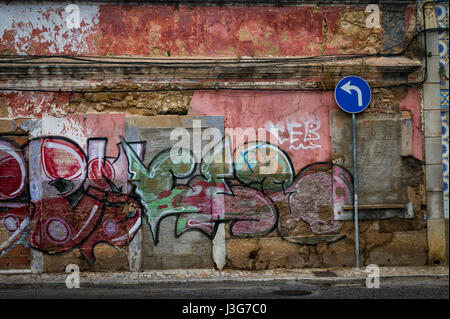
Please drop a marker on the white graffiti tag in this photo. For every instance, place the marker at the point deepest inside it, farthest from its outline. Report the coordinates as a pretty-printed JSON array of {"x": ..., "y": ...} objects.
[{"x": 302, "y": 135}]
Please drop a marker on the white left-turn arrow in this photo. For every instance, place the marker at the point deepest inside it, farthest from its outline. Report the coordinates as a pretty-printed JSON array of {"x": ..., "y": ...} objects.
[{"x": 347, "y": 87}]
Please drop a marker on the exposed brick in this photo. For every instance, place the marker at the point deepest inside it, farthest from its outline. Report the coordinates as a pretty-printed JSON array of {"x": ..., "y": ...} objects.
[
  {"x": 3, "y": 263},
  {"x": 14, "y": 252},
  {"x": 18, "y": 262},
  {"x": 24, "y": 251},
  {"x": 7, "y": 126},
  {"x": 3, "y": 107}
]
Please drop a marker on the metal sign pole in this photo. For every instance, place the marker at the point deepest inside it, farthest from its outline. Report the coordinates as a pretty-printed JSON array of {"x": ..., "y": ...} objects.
[
  {"x": 355, "y": 192},
  {"x": 353, "y": 95}
]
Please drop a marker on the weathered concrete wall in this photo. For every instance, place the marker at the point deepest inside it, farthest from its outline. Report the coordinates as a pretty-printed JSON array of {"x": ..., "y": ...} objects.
[
  {"x": 385, "y": 161},
  {"x": 300, "y": 202},
  {"x": 74, "y": 184},
  {"x": 90, "y": 173},
  {"x": 152, "y": 30},
  {"x": 30, "y": 105},
  {"x": 162, "y": 248},
  {"x": 298, "y": 122},
  {"x": 388, "y": 171}
]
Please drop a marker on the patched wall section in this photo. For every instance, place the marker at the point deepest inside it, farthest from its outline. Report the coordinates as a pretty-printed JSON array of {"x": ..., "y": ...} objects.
[
  {"x": 97, "y": 175},
  {"x": 384, "y": 148},
  {"x": 299, "y": 215},
  {"x": 162, "y": 246}
]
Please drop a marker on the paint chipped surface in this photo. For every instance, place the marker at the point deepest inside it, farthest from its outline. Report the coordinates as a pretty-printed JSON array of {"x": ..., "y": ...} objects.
[
  {"x": 42, "y": 29},
  {"x": 214, "y": 31},
  {"x": 152, "y": 30},
  {"x": 31, "y": 105},
  {"x": 297, "y": 121}
]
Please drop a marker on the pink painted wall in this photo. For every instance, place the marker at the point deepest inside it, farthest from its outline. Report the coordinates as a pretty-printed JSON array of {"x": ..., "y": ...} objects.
[
  {"x": 299, "y": 120},
  {"x": 411, "y": 103},
  {"x": 153, "y": 30}
]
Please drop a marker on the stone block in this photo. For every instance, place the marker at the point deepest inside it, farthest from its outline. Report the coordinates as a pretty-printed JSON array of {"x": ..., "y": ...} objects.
[
  {"x": 432, "y": 43},
  {"x": 433, "y": 175},
  {"x": 433, "y": 126},
  {"x": 433, "y": 150},
  {"x": 434, "y": 204},
  {"x": 405, "y": 249},
  {"x": 4, "y": 107},
  {"x": 220, "y": 247},
  {"x": 267, "y": 253},
  {"x": 98, "y": 97},
  {"x": 446, "y": 242},
  {"x": 433, "y": 71},
  {"x": 446, "y": 208},
  {"x": 431, "y": 96},
  {"x": 7, "y": 126},
  {"x": 110, "y": 258},
  {"x": 135, "y": 252},
  {"x": 58, "y": 263},
  {"x": 436, "y": 242},
  {"x": 340, "y": 254}
]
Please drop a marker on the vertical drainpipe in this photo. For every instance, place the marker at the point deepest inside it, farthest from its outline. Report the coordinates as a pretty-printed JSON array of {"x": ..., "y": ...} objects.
[{"x": 432, "y": 143}]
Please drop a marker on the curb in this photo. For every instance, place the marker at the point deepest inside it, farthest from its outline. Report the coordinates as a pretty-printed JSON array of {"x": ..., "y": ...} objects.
[
  {"x": 362, "y": 281},
  {"x": 149, "y": 281}
]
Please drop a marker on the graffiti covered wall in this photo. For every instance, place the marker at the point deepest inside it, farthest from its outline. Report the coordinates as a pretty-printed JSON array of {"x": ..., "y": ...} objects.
[
  {"x": 79, "y": 185},
  {"x": 71, "y": 189},
  {"x": 314, "y": 206},
  {"x": 83, "y": 186},
  {"x": 74, "y": 191},
  {"x": 89, "y": 177}
]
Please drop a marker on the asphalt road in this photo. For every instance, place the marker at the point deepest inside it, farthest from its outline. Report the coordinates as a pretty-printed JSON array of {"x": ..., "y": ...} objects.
[{"x": 398, "y": 289}]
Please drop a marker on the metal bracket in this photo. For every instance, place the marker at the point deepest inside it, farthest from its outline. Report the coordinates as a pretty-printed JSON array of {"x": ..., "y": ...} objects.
[{"x": 373, "y": 212}]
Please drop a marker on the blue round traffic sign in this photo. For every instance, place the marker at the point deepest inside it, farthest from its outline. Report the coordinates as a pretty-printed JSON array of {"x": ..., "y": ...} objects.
[{"x": 352, "y": 94}]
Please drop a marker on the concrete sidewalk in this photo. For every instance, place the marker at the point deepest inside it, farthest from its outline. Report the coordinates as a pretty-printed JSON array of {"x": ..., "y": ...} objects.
[{"x": 332, "y": 276}]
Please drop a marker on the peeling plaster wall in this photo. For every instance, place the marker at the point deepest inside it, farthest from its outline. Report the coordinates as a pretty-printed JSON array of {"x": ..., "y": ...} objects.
[
  {"x": 156, "y": 30},
  {"x": 300, "y": 127},
  {"x": 305, "y": 232},
  {"x": 399, "y": 180},
  {"x": 41, "y": 29},
  {"x": 296, "y": 208}
]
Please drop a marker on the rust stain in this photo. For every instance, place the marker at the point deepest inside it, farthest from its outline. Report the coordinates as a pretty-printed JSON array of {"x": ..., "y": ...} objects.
[
  {"x": 214, "y": 31},
  {"x": 159, "y": 30}
]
